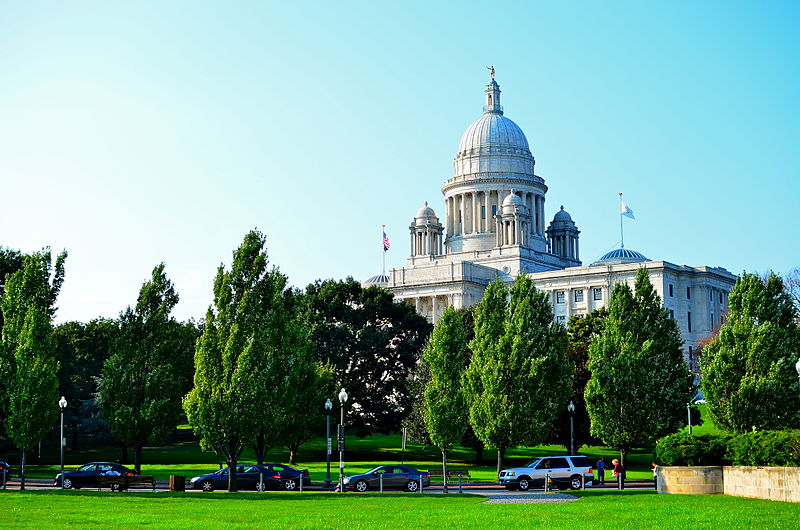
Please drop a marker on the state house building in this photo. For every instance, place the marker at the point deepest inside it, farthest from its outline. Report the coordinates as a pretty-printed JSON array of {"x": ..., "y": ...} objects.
[{"x": 494, "y": 226}]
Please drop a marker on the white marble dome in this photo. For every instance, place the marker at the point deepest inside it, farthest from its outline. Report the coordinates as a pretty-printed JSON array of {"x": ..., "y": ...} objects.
[{"x": 494, "y": 130}]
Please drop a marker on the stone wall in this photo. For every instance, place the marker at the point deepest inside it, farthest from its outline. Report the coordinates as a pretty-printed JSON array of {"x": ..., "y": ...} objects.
[
  {"x": 773, "y": 483},
  {"x": 694, "y": 480}
]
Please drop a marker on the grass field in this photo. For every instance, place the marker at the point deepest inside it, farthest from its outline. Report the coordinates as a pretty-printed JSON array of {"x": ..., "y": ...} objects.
[{"x": 607, "y": 509}]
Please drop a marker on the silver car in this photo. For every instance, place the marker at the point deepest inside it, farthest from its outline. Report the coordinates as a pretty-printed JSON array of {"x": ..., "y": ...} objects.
[{"x": 564, "y": 472}]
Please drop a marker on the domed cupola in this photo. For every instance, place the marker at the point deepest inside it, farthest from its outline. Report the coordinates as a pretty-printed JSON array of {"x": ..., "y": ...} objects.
[
  {"x": 562, "y": 236},
  {"x": 619, "y": 256},
  {"x": 426, "y": 233},
  {"x": 492, "y": 158},
  {"x": 513, "y": 224}
]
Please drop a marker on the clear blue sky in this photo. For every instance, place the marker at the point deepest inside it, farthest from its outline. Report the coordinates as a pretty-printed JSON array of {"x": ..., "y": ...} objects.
[{"x": 138, "y": 132}]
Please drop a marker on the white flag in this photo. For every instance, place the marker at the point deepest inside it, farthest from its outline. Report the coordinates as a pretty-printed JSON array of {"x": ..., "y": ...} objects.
[{"x": 624, "y": 210}]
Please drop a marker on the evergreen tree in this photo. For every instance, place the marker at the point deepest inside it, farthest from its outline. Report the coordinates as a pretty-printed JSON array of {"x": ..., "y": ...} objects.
[
  {"x": 237, "y": 367},
  {"x": 445, "y": 405},
  {"x": 749, "y": 378},
  {"x": 149, "y": 369},
  {"x": 639, "y": 383},
  {"x": 519, "y": 376},
  {"x": 28, "y": 363}
]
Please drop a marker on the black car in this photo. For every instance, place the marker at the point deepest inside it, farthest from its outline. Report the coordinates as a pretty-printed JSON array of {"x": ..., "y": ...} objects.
[
  {"x": 5, "y": 468},
  {"x": 88, "y": 475},
  {"x": 248, "y": 476},
  {"x": 291, "y": 476},
  {"x": 394, "y": 477}
]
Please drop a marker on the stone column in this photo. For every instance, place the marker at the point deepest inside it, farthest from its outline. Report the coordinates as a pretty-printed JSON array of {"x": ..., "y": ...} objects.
[{"x": 434, "y": 307}]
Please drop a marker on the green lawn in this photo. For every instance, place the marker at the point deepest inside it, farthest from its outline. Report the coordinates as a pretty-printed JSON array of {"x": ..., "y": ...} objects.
[{"x": 608, "y": 509}]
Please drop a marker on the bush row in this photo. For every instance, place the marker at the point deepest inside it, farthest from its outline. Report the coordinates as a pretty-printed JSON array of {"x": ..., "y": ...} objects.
[{"x": 761, "y": 448}]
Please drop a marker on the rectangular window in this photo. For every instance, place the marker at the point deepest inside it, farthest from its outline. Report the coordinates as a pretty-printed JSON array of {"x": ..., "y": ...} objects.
[
  {"x": 670, "y": 290},
  {"x": 691, "y": 353},
  {"x": 710, "y": 295},
  {"x": 578, "y": 295},
  {"x": 559, "y": 297},
  {"x": 672, "y": 314},
  {"x": 494, "y": 210},
  {"x": 688, "y": 292},
  {"x": 689, "y": 320},
  {"x": 720, "y": 297},
  {"x": 598, "y": 293},
  {"x": 712, "y": 320},
  {"x": 483, "y": 212}
]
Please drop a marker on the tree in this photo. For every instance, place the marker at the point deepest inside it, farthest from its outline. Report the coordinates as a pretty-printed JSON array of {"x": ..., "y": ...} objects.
[
  {"x": 81, "y": 349},
  {"x": 639, "y": 383},
  {"x": 519, "y": 376},
  {"x": 28, "y": 365},
  {"x": 445, "y": 401},
  {"x": 236, "y": 373},
  {"x": 749, "y": 379},
  {"x": 581, "y": 332},
  {"x": 372, "y": 343},
  {"x": 10, "y": 262},
  {"x": 149, "y": 369}
]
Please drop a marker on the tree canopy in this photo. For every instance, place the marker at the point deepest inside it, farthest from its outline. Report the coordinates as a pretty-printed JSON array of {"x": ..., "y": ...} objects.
[
  {"x": 639, "y": 384},
  {"x": 749, "y": 377},
  {"x": 373, "y": 344},
  {"x": 519, "y": 376}
]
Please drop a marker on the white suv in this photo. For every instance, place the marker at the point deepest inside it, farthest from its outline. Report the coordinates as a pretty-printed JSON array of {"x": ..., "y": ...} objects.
[{"x": 565, "y": 472}]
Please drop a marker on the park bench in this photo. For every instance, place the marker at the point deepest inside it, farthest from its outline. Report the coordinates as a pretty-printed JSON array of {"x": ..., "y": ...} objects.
[
  {"x": 123, "y": 482},
  {"x": 451, "y": 473}
]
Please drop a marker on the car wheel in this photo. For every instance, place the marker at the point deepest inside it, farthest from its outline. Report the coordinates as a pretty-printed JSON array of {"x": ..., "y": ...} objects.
[
  {"x": 524, "y": 484},
  {"x": 261, "y": 486},
  {"x": 575, "y": 482},
  {"x": 207, "y": 485},
  {"x": 67, "y": 483},
  {"x": 361, "y": 486},
  {"x": 290, "y": 485},
  {"x": 412, "y": 486}
]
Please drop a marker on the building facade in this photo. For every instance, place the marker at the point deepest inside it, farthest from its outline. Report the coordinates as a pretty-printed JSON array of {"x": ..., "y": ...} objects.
[{"x": 494, "y": 227}]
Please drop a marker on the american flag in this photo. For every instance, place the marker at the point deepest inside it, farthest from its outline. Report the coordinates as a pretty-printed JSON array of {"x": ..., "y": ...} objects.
[{"x": 385, "y": 242}]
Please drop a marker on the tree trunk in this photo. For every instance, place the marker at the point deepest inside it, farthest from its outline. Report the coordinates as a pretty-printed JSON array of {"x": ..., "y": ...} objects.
[
  {"x": 293, "y": 454},
  {"x": 501, "y": 454},
  {"x": 444, "y": 470},
  {"x": 479, "y": 454},
  {"x": 260, "y": 448},
  {"x": 232, "y": 475},
  {"x": 124, "y": 453},
  {"x": 22, "y": 469},
  {"x": 137, "y": 459},
  {"x": 623, "y": 460}
]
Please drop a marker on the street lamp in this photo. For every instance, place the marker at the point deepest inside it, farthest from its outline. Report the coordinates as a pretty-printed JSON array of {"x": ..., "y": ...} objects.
[
  {"x": 342, "y": 401},
  {"x": 689, "y": 415},
  {"x": 62, "y": 404},
  {"x": 571, "y": 410},
  {"x": 328, "y": 407}
]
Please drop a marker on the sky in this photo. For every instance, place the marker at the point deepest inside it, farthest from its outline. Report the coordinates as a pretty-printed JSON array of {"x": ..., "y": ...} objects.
[{"x": 134, "y": 133}]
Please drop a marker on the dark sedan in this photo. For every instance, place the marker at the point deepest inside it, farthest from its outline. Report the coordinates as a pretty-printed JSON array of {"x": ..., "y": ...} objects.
[
  {"x": 89, "y": 474},
  {"x": 248, "y": 476},
  {"x": 291, "y": 476},
  {"x": 394, "y": 477}
]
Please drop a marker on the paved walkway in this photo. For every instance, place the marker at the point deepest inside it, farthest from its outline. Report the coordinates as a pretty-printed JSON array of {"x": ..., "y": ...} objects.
[{"x": 528, "y": 497}]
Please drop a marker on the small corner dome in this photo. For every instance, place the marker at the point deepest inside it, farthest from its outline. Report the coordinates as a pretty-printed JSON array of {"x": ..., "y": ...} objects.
[
  {"x": 620, "y": 255},
  {"x": 513, "y": 199},
  {"x": 562, "y": 215},
  {"x": 425, "y": 211}
]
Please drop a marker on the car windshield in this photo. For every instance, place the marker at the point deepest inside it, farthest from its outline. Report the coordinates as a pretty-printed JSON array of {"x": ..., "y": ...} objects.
[
  {"x": 532, "y": 462},
  {"x": 376, "y": 469}
]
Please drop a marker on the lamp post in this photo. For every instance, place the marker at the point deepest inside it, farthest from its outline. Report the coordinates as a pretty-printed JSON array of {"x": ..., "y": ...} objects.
[
  {"x": 342, "y": 401},
  {"x": 328, "y": 407},
  {"x": 689, "y": 415},
  {"x": 62, "y": 404},
  {"x": 571, "y": 410}
]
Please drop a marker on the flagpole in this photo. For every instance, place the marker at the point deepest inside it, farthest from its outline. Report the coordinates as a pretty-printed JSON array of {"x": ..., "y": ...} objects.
[
  {"x": 621, "y": 238},
  {"x": 383, "y": 247}
]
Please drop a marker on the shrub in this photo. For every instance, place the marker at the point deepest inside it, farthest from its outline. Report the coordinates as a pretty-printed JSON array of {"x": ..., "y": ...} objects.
[
  {"x": 765, "y": 448},
  {"x": 682, "y": 449}
]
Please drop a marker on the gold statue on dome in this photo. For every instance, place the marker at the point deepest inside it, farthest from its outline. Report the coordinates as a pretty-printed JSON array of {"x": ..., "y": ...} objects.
[{"x": 491, "y": 71}]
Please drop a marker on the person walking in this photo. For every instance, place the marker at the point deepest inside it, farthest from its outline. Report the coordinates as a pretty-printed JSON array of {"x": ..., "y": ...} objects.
[{"x": 601, "y": 471}]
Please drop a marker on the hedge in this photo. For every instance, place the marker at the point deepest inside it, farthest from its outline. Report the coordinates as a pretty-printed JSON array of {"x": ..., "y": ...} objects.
[{"x": 760, "y": 448}]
